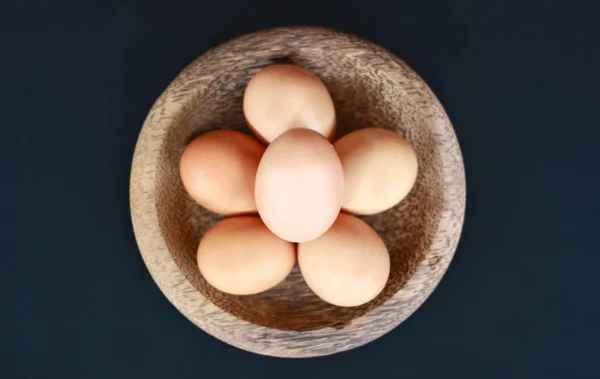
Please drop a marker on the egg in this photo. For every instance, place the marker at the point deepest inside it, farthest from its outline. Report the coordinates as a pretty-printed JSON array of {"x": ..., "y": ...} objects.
[
  {"x": 240, "y": 256},
  {"x": 218, "y": 171},
  {"x": 380, "y": 169},
  {"x": 282, "y": 97},
  {"x": 347, "y": 266},
  {"x": 299, "y": 185}
]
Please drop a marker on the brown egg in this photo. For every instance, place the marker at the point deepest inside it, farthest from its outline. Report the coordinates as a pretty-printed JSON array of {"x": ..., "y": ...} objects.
[
  {"x": 218, "y": 171},
  {"x": 299, "y": 185},
  {"x": 241, "y": 256},
  {"x": 347, "y": 266},
  {"x": 282, "y": 97},
  {"x": 380, "y": 169}
]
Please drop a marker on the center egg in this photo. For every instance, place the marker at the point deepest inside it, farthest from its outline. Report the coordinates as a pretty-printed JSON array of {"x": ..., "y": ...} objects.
[{"x": 299, "y": 185}]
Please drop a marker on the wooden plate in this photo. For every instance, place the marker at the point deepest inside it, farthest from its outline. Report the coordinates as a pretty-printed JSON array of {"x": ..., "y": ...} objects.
[{"x": 370, "y": 86}]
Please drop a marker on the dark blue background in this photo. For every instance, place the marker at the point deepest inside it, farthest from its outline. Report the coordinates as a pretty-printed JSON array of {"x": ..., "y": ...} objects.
[{"x": 519, "y": 80}]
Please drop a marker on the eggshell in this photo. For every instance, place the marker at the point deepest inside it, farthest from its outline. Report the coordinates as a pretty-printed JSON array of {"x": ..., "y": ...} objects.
[
  {"x": 299, "y": 185},
  {"x": 218, "y": 171},
  {"x": 241, "y": 256},
  {"x": 380, "y": 169},
  {"x": 347, "y": 266},
  {"x": 282, "y": 97}
]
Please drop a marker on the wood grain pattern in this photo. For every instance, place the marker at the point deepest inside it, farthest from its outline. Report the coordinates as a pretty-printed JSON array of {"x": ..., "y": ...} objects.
[{"x": 369, "y": 86}]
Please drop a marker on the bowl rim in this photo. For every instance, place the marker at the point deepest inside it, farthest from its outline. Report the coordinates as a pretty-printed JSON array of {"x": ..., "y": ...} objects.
[{"x": 260, "y": 339}]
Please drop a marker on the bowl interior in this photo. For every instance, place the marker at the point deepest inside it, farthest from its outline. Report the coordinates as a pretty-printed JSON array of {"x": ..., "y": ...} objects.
[{"x": 365, "y": 94}]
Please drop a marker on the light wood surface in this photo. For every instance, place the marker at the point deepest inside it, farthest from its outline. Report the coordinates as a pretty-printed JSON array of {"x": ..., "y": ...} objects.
[{"x": 370, "y": 87}]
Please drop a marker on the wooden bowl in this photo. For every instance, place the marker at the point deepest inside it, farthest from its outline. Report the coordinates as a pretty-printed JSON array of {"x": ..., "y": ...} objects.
[{"x": 370, "y": 86}]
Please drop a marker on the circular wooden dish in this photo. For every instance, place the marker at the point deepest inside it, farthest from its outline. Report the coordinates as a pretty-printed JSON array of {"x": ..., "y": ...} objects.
[{"x": 370, "y": 87}]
